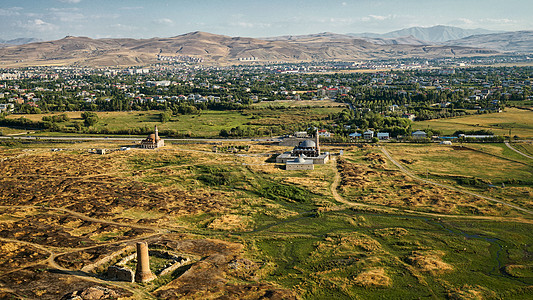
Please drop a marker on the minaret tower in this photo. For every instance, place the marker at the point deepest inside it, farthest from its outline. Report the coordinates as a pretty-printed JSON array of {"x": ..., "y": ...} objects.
[
  {"x": 317, "y": 142},
  {"x": 156, "y": 133},
  {"x": 143, "y": 272}
]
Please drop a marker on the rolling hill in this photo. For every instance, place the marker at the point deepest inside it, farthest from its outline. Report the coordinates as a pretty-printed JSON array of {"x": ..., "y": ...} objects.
[{"x": 217, "y": 49}]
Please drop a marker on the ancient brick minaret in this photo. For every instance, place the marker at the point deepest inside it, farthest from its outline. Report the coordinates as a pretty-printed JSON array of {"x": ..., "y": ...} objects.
[
  {"x": 317, "y": 144},
  {"x": 143, "y": 273}
]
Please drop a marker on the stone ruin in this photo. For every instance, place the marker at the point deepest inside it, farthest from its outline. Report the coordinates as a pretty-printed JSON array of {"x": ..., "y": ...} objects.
[
  {"x": 120, "y": 274},
  {"x": 143, "y": 273}
]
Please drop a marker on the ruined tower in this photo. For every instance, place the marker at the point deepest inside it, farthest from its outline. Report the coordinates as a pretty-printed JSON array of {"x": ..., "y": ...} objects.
[{"x": 143, "y": 273}]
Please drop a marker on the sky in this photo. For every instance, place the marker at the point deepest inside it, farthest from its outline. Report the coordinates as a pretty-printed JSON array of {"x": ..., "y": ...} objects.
[{"x": 55, "y": 19}]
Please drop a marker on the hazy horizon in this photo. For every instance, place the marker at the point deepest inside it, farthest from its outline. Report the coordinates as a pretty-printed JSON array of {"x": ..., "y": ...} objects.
[{"x": 55, "y": 19}]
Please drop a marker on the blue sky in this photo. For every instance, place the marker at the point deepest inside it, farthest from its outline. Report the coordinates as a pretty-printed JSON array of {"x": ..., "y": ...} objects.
[{"x": 54, "y": 19}]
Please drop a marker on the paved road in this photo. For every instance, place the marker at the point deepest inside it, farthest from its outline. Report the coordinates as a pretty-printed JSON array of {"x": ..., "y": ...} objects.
[
  {"x": 111, "y": 138},
  {"x": 521, "y": 153},
  {"x": 410, "y": 174}
]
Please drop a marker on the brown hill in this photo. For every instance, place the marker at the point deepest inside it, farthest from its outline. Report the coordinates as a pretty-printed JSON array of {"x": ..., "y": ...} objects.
[{"x": 215, "y": 49}]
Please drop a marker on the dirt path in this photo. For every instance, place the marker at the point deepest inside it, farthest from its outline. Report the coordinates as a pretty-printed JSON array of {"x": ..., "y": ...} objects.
[
  {"x": 517, "y": 151},
  {"x": 393, "y": 210},
  {"x": 410, "y": 174}
]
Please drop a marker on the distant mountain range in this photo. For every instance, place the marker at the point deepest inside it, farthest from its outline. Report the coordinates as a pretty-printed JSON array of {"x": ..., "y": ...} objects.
[
  {"x": 403, "y": 40},
  {"x": 223, "y": 50},
  {"x": 435, "y": 34},
  {"x": 19, "y": 41},
  {"x": 516, "y": 41}
]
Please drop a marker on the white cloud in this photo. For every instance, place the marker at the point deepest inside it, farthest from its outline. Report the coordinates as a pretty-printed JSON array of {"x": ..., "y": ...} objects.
[
  {"x": 66, "y": 14},
  {"x": 132, "y": 8},
  {"x": 38, "y": 25},
  {"x": 487, "y": 23},
  {"x": 344, "y": 4},
  {"x": 377, "y": 18},
  {"x": 123, "y": 27},
  {"x": 105, "y": 16},
  {"x": 498, "y": 21},
  {"x": 164, "y": 21},
  {"x": 70, "y": 1},
  {"x": 12, "y": 11},
  {"x": 243, "y": 24}
]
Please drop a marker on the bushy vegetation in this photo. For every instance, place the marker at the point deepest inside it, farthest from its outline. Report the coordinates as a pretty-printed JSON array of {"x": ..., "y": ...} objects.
[
  {"x": 216, "y": 176},
  {"x": 282, "y": 192}
]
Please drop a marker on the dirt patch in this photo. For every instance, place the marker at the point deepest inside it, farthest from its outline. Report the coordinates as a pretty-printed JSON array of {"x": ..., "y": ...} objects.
[
  {"x": 41, "y": 282},
  {"x": 48, "y": 229},
  {"x": 208, "y": 278},
  {"x": 430, "y": 261},
  {"x": 373, "y": 278},
  {"x": 231, "y": 222},
  {"x": 469, "y": 292},
  {"x": 92, "y": 293},
  {"x": 346, "y": 244},
  {"x": 15, "y": 255},
  {"x": 392, "y": 232},
  {"x": 78, "y": 260},
  {"x": 377, "y": 160}
]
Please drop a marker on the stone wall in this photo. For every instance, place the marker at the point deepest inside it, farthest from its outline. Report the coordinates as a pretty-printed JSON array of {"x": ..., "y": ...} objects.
[{"x": 120, "y": 274}]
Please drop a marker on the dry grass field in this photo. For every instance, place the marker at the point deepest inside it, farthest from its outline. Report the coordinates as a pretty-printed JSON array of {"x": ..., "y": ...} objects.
[
  {"x": 491, "y": 169},
  {"x": 251, "y": 229}
]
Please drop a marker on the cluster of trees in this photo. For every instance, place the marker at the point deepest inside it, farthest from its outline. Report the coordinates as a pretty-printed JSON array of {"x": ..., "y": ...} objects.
[
  {"x": 89, "y": 118},
  {"x": 248, "y": 131},
  {"x": 56, "y": 119},
  {"x": 473, "y": 132}
]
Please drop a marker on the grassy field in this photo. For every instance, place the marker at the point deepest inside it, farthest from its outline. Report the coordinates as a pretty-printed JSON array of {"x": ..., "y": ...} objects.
[
  {"x": 288, "y": 114},
  {"x": 519, "y": 121},
  {"x": 11, "y": 131},
  {"x": 526, "y": 148}
]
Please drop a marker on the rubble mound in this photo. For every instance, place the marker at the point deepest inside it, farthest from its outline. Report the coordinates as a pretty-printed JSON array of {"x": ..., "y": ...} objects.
[{"x": 92, "y": 293}]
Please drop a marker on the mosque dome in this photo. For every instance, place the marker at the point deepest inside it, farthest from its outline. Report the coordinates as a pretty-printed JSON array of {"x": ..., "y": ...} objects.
[{"x": 307, "y": 144}]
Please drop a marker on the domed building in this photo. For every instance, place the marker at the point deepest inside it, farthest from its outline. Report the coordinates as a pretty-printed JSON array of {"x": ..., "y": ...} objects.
[
  {"x": 309, "y": 150},
  {"x": 153, "y": 141}
]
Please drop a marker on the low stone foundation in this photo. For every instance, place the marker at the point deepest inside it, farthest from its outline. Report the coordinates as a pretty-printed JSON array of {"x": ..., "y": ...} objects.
[{"x": 120, "y": 274}]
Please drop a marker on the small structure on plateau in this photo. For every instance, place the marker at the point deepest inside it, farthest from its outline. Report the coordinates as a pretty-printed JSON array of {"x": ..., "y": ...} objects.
[
  {"x": 307, "y": 150},
  {"x": 153, "y": 141}
]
